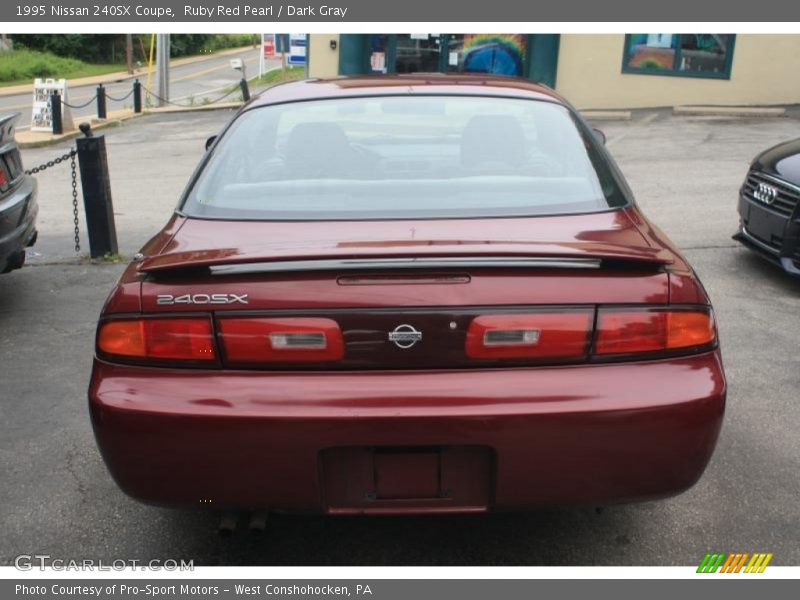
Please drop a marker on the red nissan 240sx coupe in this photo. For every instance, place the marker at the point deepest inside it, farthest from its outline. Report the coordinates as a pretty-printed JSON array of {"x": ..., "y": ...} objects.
[{"x": 410, "y": 294}]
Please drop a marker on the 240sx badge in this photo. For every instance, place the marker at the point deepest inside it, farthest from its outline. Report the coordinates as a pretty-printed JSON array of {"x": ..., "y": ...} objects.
[{"x": 169, "y": 299}]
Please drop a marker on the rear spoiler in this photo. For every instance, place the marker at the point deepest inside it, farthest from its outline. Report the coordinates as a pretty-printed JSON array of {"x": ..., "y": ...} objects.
[
  {"x": 233, "y": 261},
  {"x": 389, "y": 264}
]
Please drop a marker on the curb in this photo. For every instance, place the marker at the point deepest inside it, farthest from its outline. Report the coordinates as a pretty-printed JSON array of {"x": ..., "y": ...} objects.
[
  {"x": 42, "y": 139},
  {"x": 606, "y": 115},
  {"x": 729, "y": 111},
  {"x": 69, "y": 135},
  {"x": 185, "y": 109},
  {"x": 116, "y": 121}
]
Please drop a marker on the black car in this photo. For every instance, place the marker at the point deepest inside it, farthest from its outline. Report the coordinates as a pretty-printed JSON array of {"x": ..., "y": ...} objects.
[
  {"x": 769, "y": 206},
  {"x": 18, "y": 207}
]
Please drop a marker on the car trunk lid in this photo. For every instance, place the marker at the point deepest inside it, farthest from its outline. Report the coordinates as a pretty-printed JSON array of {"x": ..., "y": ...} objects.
[{"x": 389, "y": 284}]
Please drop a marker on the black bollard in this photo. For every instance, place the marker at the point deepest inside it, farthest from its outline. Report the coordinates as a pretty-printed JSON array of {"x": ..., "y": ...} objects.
[
  {"x": 96, "y": 186},
  {"x": 101, "y": 102},
  {"x": 55, "y": 113},
  {"x": 137, "y": 96},
  {"x": 245, "y": 89}
]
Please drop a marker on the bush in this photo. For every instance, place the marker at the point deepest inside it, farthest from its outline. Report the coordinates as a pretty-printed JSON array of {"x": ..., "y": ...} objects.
[
  {"x": 279, "y": 76},
  {"x": 86, "y": 47},
  {"x": 18, "y": 65},
  {"x": 108, "y": 48},
  {"x": 203, "y": 43}
]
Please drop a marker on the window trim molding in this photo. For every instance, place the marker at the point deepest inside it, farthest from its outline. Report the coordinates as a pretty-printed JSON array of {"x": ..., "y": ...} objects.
[{"x": 673, "y": 72}]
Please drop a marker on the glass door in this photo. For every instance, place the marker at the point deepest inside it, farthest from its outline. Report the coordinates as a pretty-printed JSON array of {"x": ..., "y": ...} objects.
[{"x": 418, "y": 53}]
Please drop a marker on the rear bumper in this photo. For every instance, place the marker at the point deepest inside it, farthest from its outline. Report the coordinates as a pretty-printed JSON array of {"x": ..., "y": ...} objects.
[
  {"x": 18, "y": 212},
  {"x": 590, "y": 434}
]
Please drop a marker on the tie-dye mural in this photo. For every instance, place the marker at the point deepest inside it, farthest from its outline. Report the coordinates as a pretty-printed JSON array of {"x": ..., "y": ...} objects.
[{"x": 497, "y": 53}]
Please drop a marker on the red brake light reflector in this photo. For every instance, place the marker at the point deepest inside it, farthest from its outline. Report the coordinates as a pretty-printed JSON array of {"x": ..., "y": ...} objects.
[
  {"x": 562, "y": 334},
  {"x": 183, "y": 338},
  {"x": 627, "y": 331},
  {"x": 253, "y": 340}
]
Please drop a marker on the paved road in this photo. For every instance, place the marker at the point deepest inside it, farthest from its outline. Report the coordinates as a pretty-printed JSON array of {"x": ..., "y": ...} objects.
[
  {"x": 209, "y": 78},
  {"x": 58, "y": 498}
]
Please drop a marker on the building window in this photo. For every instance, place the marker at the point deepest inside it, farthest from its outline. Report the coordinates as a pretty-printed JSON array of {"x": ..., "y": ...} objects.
[
  {"x": 418, "y": 53},
  {"x": 378, "y": 49},
  {"x": 680, "y": 54},
  {"x": 499, "y": 54}
]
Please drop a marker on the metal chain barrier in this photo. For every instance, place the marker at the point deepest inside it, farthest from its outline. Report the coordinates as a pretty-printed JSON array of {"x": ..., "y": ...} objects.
[
  {"x": 51, "y": 163},
  {"x": 94, "y": 98},
  {"x": 74, "y": 184},
  {"x": 77, "y": 106},
  {"x": 125, "y": 97},
  {"x": 157, "y": 97},
  {"x": 102, "y": 95}
]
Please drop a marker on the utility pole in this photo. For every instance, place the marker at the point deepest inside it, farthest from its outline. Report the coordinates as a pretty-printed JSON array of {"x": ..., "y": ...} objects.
[
  {"x": 129, "y": 52},
  {"x": 162, "y": 68},
  {"x": 284, "y": 43}
]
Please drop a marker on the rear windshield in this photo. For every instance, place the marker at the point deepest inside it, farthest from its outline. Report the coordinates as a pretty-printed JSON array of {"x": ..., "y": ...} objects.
[{"x": 404, "y": 157}]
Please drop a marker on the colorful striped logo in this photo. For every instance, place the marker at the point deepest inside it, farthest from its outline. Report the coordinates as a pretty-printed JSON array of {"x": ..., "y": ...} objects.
[{"x": 735, "y": 562}]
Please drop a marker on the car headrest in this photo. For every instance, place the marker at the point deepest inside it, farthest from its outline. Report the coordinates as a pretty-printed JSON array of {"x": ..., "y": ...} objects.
[
  {"x": 492, "y": 139},
  {"x": 318, "y": 149}
]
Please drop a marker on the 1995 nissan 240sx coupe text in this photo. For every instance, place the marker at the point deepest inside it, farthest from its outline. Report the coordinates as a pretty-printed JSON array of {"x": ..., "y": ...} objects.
[{"x": 407, "y": 294}]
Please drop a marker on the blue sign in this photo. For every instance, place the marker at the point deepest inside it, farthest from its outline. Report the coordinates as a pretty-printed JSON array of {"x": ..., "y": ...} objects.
[{"x": 298, "y": 46}]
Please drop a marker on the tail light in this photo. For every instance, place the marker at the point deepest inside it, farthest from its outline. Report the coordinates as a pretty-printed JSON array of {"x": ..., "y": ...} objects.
[
  {"x": 557, "y": 335},
  {"x": 168, "y": 339},
  {"x": 634, "y": 331},
  {"x": 568, "y": 334},
  {"x": 256, "y": 340}
]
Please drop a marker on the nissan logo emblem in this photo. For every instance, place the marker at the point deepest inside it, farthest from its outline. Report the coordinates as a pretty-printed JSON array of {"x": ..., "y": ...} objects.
[{"x": 404, "y": 336}]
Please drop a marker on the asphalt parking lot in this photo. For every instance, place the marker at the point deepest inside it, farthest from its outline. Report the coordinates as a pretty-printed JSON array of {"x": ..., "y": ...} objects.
[{"x": 58, "y": 499}]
